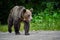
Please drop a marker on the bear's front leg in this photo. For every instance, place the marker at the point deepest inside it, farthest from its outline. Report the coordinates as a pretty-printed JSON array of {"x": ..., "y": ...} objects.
[
  {"x": 26, "y": 27},
  {"x": 17, "y": 27}
]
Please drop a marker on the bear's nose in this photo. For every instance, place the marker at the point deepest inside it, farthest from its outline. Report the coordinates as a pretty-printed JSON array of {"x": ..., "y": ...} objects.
[{"x": 31, "y": 18}]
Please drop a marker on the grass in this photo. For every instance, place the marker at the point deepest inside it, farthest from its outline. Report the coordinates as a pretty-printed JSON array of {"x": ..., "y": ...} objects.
[
  {"x": 4, "y": 28},
  {"x": 45, "y": 26},
  {"x": 36, "y": 26}
]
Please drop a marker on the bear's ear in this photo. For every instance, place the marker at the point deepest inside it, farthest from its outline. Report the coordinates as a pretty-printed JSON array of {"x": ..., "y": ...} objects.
[
  {"x": 24, "y": 10},
  {"x": 31, "y": 9}
]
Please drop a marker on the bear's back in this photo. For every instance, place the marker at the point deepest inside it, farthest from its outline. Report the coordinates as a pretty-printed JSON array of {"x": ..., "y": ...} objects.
[{"x": 16, "y": 11}]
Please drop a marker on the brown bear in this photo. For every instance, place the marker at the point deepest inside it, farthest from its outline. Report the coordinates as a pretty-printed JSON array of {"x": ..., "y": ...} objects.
[{"x": 16, "y": 16}]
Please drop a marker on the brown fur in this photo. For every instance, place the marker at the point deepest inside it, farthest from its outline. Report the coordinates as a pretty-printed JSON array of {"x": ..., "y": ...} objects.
[{"x": 18, "y": 14}]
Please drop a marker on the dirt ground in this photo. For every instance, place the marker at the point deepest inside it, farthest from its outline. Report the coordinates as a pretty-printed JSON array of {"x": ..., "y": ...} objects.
[{"x": 34, "y": 35}]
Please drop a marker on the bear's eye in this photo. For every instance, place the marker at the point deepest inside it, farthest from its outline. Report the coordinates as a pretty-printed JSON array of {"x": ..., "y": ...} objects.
[{"x": 28, "y": 15}]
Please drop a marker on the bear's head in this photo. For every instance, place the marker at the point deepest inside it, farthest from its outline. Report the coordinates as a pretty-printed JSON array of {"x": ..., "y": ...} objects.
[{"x": 27, "y": 14}]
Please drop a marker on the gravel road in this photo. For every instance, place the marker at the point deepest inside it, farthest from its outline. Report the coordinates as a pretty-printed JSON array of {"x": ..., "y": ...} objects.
[{"x": 34, "y": 35}]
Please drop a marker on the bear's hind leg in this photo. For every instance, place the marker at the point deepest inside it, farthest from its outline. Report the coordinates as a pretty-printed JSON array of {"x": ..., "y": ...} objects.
[{"x": 10, "y": 23}]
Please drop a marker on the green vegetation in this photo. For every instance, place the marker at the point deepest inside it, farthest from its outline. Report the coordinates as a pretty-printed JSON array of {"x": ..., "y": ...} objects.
[
  {"x": 4, "y": 28},
  {"x": 46, "y": 22},
  {"x": 46, "y": 15}
]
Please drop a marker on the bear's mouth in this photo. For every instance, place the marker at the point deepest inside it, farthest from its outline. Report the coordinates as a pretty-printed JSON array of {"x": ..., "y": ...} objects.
[{"x": 27, "y": 20}]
